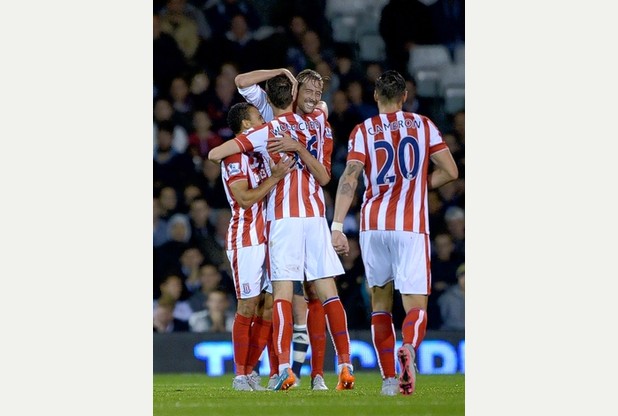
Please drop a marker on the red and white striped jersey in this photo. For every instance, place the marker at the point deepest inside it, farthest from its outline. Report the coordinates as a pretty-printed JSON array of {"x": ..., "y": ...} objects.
[
  {"x": 247, "y": 226},
  {"x": 299, "y": 194},
  {"x": 395, "y": 149}
]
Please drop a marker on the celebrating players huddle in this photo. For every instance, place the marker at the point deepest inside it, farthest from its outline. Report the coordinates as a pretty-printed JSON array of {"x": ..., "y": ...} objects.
[{"x": 273, "y": 174}]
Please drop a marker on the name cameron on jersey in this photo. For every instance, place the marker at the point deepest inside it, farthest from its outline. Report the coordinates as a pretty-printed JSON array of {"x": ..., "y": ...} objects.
[
  {"x": 303, "y": 125},
  {"x": 395, "y": 125}
]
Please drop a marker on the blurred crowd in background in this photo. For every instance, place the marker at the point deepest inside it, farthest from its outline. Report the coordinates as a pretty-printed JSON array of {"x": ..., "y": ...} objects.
[{"x": 198, "y": 49}]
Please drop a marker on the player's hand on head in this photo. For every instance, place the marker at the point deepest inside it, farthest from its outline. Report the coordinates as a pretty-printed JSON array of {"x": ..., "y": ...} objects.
[{"x": 288, "y": 74}]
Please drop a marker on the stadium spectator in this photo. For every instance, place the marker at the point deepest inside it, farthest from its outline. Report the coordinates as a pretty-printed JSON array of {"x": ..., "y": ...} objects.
[
  {"x": 225, "y": 97},
  {"x": 452, "y": 194},
  {"x": 346, "y": 67},
  {"x": 448, "y": 22},
  {"x": 221, "y": 12},
  {"x": 209, "y": 181},
  {"x": 413, "y": 103},
  {"x": 444, "y": 263},
  {"x": 210, "y": 279},
  {"x": 163, "y": 320},
  {"x": 437, "y": 208},
  {"x": 372, "y": 71},
  {"x": 190, "y": 192},
  {"x": 216, "y": 317},
  {"x": 342, "y": 119},
  {"x": 331, "y": 82},
  {"x": 312, "y": 12},
  {"x": 310, "y": 54},
  {"x": 458, "y": 121},
  {"x": 404, "y": 24},
  {"x": 190, "y": 261},
  {"x": 199, "y": 90},
  {"x": 203, "y": 138},
  {"x": 168, "y": 60},
  {"x": 454, "y": 217},
  {"x": 170, "y": 168},
  {"x": 159, "y": 224},
  {"x": 168, "y": 202},
  {"x": 230, "y": 70},
  {"x": 164, "y": 112},
  {"x": 452, "y": 304},
  {"x": 239, "y": 46},
  {"x": 182, "y": 27},
  {"x": 351, "y": 287},
  {"x": 295, "y": 30},
  {"x": 458, "y": 151},
  {"x": 170, "y": 292},
  {"x": 182, "y": 103},
  {"x": 184, "y": 8},
  {"x": 201, "y": 227},
  {"x": 359, "y": 102},
  {"x": 215, "y": 246},
  {"x": 167, "y": 255}
]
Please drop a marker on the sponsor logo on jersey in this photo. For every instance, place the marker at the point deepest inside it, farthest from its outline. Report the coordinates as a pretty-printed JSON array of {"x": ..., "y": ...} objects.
[{"x": 233, "y": 169}]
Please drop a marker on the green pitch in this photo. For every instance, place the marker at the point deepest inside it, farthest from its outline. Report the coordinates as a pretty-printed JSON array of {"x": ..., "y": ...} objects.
[{"x": 198, "y": 394}]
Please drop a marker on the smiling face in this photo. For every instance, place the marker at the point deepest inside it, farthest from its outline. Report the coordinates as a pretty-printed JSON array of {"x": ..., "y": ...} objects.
[{"x": 309, "y": 94}]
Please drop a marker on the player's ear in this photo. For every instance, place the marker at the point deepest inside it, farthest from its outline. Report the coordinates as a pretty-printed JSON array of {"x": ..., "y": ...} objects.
[{"x": 375, "y": 95}]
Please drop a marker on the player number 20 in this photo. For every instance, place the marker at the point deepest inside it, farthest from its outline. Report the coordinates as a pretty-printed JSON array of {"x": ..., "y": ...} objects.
[{"x": 408, "y": 174}]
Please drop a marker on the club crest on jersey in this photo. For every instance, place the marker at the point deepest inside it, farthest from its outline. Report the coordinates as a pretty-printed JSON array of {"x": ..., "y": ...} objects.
[
  {"x": 246, "y": 288},
  {"x": 233, "y": 169},
  {"x": 350, "y": 146},
  {"x": 328, "y": 133}
]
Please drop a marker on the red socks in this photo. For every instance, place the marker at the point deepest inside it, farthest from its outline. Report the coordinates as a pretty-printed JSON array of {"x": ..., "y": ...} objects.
[
  {"x": 283, "y": 326},
  {"x": 414, "y": 327},
  {"x": 240, "y": 340},
  {"x": 338, "y": 327},
  {"x": 316, "y": 328},
  {"x": 272, "y": 354},
  {"x": 260, "y": 331},
  {"x": 383, "y": 336}
]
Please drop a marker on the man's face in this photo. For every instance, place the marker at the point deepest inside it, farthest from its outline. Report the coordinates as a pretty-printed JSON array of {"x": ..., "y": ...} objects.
[
  {"x": 309, "y": 94},
  {"x": 164, "y": 140},
  {"x": 255, "y": 117}
]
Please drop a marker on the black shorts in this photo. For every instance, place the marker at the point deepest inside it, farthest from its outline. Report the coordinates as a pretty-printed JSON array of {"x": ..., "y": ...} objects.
[{"x": 298, "y": 288}]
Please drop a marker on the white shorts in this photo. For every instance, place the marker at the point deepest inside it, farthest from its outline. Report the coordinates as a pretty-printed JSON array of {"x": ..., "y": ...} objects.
[
  {"x": 300, "y": 247},
  {"x": 402, "y": 256},
  {"x": 248, "y": 271}
]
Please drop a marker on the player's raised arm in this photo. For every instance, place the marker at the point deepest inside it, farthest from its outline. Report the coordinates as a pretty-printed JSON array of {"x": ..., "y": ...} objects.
[
  {"x": 248, "y": 79},
  {"x": 343, "y": 200},
  {"x": 224, "y": 150}
]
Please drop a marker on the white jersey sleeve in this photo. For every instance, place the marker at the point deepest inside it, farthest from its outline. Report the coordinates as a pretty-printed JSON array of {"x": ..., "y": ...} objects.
[{"x": 255, "y": 95}]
